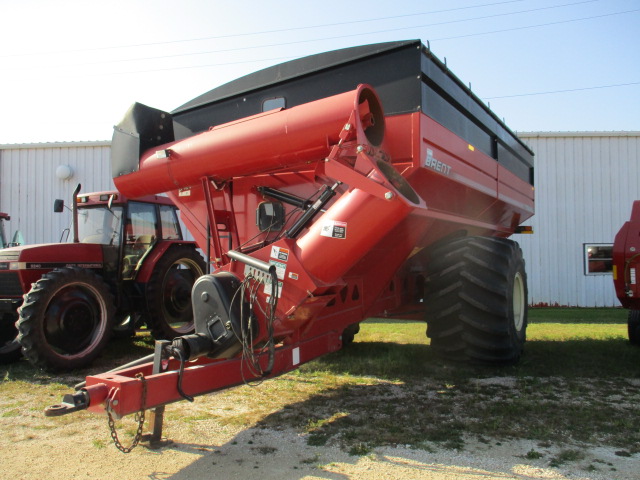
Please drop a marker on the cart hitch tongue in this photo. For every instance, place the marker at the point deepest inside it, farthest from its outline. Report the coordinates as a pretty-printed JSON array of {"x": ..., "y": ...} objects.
[{"x": 71, "y": 402}]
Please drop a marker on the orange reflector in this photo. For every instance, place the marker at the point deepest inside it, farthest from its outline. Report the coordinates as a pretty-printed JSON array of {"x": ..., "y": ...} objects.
[{"x": 524, "y": 229}]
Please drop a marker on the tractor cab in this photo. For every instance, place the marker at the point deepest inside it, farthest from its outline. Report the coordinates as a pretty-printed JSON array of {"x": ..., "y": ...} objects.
[{"x": 127, "y": 230}]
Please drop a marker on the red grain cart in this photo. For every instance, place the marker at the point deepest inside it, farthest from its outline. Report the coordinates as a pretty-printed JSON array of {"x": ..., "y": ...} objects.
[{"x": 365, "y": 182}]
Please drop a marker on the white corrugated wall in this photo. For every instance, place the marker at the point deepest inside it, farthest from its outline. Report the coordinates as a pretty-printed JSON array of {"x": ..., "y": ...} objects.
[
  {"x": 29, "y": 185},
  {"x": 585, "y": 185}
]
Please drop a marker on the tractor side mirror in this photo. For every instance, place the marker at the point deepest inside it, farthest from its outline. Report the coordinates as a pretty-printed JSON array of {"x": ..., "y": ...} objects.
[{"x": 58, "y": 205}]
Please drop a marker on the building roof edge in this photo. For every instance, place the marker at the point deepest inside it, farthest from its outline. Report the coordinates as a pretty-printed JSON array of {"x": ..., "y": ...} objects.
[
  {"x": 579, "y": 134},
  {"x": 19, "y": 146}
]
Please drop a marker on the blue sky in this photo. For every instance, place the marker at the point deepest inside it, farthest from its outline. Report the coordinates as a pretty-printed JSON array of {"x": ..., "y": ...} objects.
[{"x": 70, "y": 69}]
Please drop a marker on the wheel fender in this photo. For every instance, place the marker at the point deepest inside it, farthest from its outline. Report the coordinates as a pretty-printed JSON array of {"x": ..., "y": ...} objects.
[{"x": 156, "y": 254}]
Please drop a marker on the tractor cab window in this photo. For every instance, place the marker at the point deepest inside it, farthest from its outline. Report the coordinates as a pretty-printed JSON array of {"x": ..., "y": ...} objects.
[
  {"x": 99, "y": 225},
  {"x": 169, "y": 223},
  {"x": 140, "y": 236}
]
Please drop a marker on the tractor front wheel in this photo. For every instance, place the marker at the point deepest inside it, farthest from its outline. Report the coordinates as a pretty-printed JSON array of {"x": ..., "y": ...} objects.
[
  {"x": 476, "y": 300},
  {"x": 634, "y": 327},
  {"x": 125, "y": 325},
  {"x": 169, "y": 310},
  {"x": 349, "y": 334},
  {"x": 9, "y": 345},
  {"x": 66, "y": 319}
]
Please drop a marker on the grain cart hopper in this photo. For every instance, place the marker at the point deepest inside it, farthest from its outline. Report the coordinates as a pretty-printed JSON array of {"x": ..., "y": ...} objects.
[
  {"x": 127, "y": 262},
  {"x": 350, "y": 184},
  {"x": 626, "y": 263}
]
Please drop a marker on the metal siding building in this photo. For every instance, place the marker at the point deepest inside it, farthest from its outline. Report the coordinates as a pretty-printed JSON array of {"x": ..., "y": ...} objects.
[
  {"x": 29, "y": 184},
  {"x": 585, "y": 185}
]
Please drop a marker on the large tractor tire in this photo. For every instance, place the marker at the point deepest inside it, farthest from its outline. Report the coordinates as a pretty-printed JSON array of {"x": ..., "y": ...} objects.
[
  {"x": 10, "y": 350},
  {"x": 633, "y": 323},
  {"x": 66, "y": 319},
  {"x": 168, "y": 292},
  {"x": 476, "y": 300}
]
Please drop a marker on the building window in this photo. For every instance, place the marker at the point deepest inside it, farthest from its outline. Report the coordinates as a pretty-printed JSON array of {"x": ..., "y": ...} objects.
[{"x": 598, "y": 258}]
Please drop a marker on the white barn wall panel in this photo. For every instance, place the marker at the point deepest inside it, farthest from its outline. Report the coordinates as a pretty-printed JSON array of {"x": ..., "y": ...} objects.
[
  {"x": 29, "y": 185},
  {"x": 585, "y": 185}
]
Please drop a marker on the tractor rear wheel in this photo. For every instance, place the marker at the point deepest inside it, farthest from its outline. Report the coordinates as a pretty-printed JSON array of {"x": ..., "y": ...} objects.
[
  {"x": 169, "y": 310},
  {"x": 66, "y": 319},
  {"x": 633, "y": 323},
  {"x": 476, "y": 300},
  {"x": 9, "y": 345}
]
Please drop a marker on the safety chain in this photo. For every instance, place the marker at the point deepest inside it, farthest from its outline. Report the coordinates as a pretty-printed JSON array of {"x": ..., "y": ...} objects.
[{"x": 139, "y": 418}]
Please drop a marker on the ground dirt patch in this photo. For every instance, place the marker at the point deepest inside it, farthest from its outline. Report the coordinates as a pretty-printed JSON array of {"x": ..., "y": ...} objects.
[
  {"x": 210, "y": 439},
  {"x": 384, "y": 408}
]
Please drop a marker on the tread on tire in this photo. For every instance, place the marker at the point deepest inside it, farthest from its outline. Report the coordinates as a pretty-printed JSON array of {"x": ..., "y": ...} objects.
[{"x": 476, "y": 300}]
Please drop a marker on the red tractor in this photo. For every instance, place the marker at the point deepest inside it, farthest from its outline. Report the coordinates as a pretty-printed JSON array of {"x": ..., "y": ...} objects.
[
  {"x": 127, "y": 263},
  {"x": 626, "y": 263},
  {"x": 365, "y": 182}
]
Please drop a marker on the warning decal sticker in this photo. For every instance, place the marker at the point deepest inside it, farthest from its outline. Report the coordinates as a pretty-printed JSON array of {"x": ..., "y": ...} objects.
[
  {"x": 334, "y": 229},
  {"x": 281, "y": 254}
]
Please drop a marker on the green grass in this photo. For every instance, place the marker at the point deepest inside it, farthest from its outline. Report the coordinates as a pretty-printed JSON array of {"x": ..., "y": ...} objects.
[
  {"x": 585, "y": 348},
  {"x": 578, "y": 315},
  {"x": 578, "y": 381}
]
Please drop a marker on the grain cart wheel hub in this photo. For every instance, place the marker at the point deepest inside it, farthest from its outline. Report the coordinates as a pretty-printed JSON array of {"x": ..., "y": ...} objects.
[{"x": 519, "y": 302}]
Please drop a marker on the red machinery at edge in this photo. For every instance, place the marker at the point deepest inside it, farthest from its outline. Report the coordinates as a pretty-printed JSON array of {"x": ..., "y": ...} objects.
[{"x": 626, "y": 262}]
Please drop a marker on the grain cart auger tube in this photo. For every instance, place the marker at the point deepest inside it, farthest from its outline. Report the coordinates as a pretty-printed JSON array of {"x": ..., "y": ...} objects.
[
  {"x": 317, "y": 210},
  {"x": 626, "y": 266}
]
